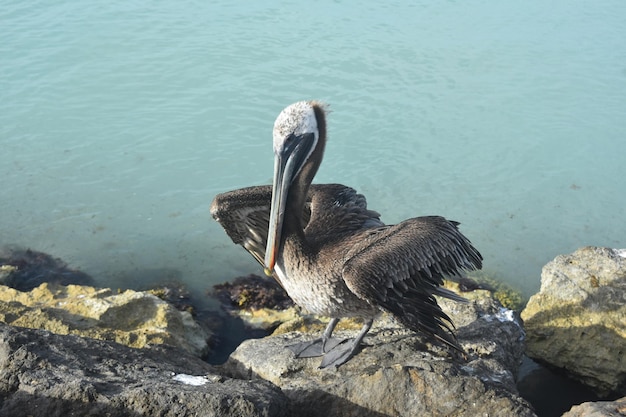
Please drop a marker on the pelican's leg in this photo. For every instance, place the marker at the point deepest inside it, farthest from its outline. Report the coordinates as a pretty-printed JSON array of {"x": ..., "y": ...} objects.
[
  {"x": 327, "y": 340},
  {"x": 317, "y": 347},
  {"x": 342, "y": 352}
]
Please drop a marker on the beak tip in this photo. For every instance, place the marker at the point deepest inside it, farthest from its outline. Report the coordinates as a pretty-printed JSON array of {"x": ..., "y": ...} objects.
[{"x": 268, "y": 271}]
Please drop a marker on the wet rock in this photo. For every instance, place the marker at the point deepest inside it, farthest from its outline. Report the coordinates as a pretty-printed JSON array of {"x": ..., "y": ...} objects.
[
  {"x": 467, "y": 284},
  {"x": 176, "y": 294},
  {"x": 44, "y": 374},
  {"x": 508, "y": 296},
  {"x": 252, "y": 292},
  {"x": 260, "y": 302},
  {"x": 599, "y": 409},
  {"x": 576, "y": 321},
  {"x": 397, "y": 373},
  {"x": 132, "y": 318},
  {"x": 26, "y": 269}
]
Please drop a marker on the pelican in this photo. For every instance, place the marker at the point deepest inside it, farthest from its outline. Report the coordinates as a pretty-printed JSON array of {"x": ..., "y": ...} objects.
[{"x": 334, "y": 256}]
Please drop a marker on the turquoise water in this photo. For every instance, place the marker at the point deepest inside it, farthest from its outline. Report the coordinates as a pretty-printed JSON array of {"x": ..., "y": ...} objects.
[{"x": 119, "y": 121}]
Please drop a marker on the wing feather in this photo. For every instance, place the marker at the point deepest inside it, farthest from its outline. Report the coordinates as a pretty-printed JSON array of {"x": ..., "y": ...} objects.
[
  {"x": 244, "y": 214},
  {"x": 402, "y": 267},
  {"x": 337, "y": 210}
]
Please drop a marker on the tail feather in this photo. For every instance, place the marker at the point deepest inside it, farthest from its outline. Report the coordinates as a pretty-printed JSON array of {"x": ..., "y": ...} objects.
[{"x": 420, "y": 312}]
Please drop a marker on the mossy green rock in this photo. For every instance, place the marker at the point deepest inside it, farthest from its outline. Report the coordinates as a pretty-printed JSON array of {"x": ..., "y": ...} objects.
[
  {"x": 577, "y": 322},
  {"x": 132, "y": 318}
]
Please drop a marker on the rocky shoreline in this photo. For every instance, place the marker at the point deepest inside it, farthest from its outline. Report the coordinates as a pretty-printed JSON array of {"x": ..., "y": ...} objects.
[{"x": 78, "y": 350}]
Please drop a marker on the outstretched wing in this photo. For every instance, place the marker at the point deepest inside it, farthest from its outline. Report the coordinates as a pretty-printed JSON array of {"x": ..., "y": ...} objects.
[
  {"x": 401, "y": 268},
  {"x": 337, "y": 210},
  {"x": 244, "y": 214}
]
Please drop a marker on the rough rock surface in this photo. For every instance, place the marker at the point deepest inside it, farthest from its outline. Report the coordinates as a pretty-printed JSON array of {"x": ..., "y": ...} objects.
[
  {"x": 397, "y": 374},
  {"x": 252, "y": 292},
  {"x": 260, "y": 302},
  {"x": 44, "y": 374},
  {"x": 599, "y": 409},
  {"x": 132, "y": 318},
  {"x": 25, "y": 269},
  {"x": 577, "y": 322}
]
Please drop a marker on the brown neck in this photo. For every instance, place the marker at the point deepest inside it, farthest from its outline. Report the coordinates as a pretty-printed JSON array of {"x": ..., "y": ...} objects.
[{"x": 300, "y": 186}]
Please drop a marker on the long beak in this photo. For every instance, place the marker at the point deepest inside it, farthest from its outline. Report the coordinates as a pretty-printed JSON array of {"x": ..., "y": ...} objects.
[
  {"x": 280, "y": 191},
  {"x": 287, "y": 165}
]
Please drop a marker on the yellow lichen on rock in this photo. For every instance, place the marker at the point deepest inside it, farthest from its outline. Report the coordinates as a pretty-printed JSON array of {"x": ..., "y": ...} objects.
[
  {"x": 132, "y": 318},
  {"x": 576, "y": 321},
  {"x": 508, "y": 296},
  {"x": 267, "y": 318}
]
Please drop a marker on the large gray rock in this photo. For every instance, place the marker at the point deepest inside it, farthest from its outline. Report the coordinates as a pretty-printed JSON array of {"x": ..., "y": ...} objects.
[
  {"x": 133, "y": 318},
  {"x": 397, "y": 374},
  {"x": 599, "y": 409},
  {"x": 577, "y": 322},
  {"x": 44, "y": 374}
]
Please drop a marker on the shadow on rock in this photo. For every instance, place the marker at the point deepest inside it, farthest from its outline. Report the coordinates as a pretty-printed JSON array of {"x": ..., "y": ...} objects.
[
  {"x": 27, "y": 405},
  {"x": 44, "y": 374},
  {"x": 309, "y": 401},
  {"x": 576, "y": 321},
  {"x": 398, "y": 372}
]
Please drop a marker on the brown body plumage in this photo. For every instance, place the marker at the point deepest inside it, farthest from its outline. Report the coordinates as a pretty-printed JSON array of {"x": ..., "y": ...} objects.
[{"x": 333, "y": 256}]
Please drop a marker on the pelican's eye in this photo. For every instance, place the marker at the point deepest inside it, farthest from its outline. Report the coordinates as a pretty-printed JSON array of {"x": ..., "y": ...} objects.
[{"x": 290, "y": 143}]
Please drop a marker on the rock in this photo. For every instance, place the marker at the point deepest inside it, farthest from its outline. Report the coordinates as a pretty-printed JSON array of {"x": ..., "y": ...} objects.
[
  {"x": 508, "y": 296},
  {"x": 266, "y": 318},
  {"x": 26, "y": 269},
  {"x": 252, "y": 292},
  {"x": 175, "y": 294},
  {"x": 599, "y": 409},
  {"x": 259, "y": 302},
  {"x": 577, "y": 321},
  {"x": 396, "y": 373},
  {"x": 44, "y": 374},
  {"x": 132, "y": 318}
]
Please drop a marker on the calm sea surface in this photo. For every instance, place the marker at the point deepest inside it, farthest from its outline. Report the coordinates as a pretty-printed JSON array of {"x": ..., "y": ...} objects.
[{"x": 120, "y": 120}]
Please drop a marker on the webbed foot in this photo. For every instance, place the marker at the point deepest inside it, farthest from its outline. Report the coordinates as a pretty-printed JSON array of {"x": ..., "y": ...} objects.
[
  {"x": 341, "y": 353},
  {"x": 314, "y": 348},
  {"x": 335, "y": 351}
]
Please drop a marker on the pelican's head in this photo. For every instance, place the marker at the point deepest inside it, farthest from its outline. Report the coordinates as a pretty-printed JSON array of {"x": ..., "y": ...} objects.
[
  {"x": 296, "y": 120},
  {"x": 296, "y": 134}
]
